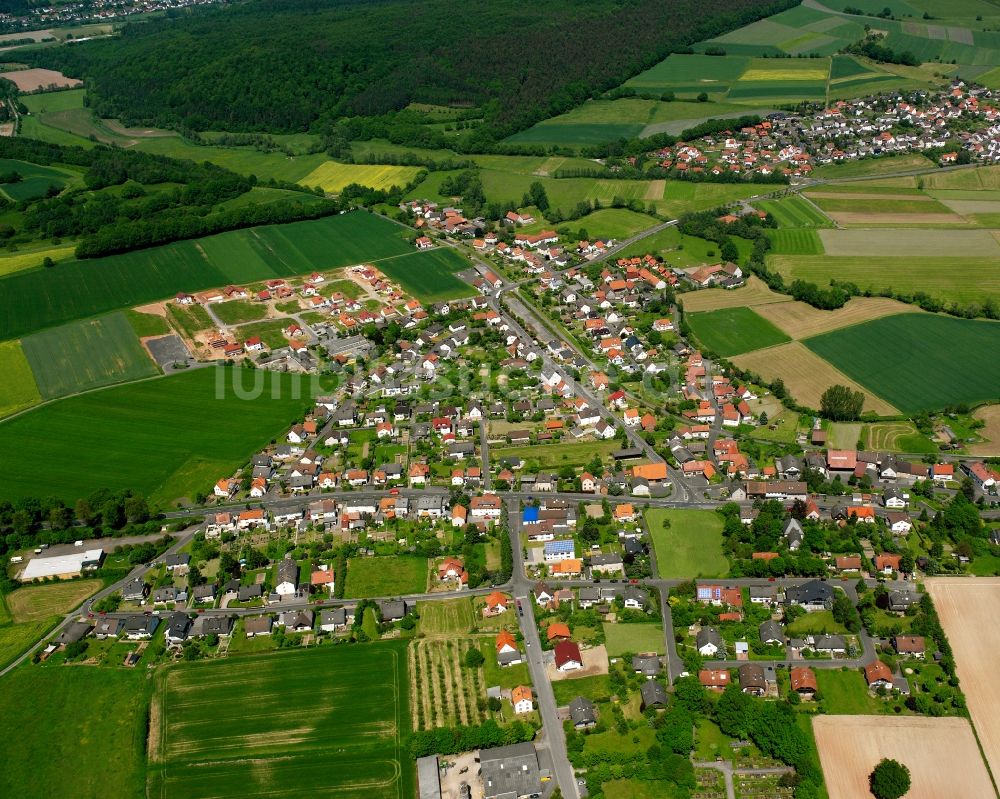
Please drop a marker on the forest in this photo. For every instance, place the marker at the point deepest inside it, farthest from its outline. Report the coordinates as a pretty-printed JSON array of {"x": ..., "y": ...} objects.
[{"x": 300, "y": 65}]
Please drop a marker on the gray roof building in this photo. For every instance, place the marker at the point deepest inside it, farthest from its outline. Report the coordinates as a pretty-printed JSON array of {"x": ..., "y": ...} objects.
[
  {"x": 178, "y": 627},
  {"x": 653, "y": 693},
  {"x": 73, "y": 633},
  {"x": 648, "y": 665},
  {"x": 772, "y": 633},
  {"x": 510, "y": 771},
  {"x": 582, "y": 712}
]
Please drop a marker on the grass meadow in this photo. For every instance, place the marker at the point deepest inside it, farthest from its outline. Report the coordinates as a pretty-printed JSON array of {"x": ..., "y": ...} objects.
[
  {"x": 168, "y": 438},
  {"x": 38, "y": 299},
  {"x": 86, "y": 354},
  {"x": 386, "y": 576},
  {"x": 795, "y": 241},
  {"x": 918, "y": 361},
  {"x": 633, "y": 638},
  {"x": 323, "y": 721},
  {"x": 18, "y": 389},
  {"x": 107, "y": 726},
  {"x": 691, "y": 546},
  {"x": 235, "y": 312},
  {"x": 794, "y": 212},
  {"x": 732, "y": 331}
]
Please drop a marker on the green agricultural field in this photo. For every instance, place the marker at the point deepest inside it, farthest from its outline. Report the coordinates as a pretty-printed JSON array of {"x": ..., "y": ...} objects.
[
  {"x": 18, "y": 389},
  {"x": 163, "y": 438},
  {"x": 795, "y": 241},
  {"x": 322, "y": 721},
  {"x": 681, "y": 196},
  {"x": 690, "y": 75},
  {"x": 110, "y": 717},
  {"x": 691, "y": 546},
  {"x": 732, "y": 331},
  {"x": 918, "y": 361},
  {"x": 16, "y": 639},
  {"x": 237, "y": 312},
  {"x": 332, "y": 177},
  {"x": 32, "y": 257},
  {"x": 951, "y": 279},
  {"x": 634, "y": 638},
  {"x": 35, "y": 603},
  {"x": 385, "y": 576},
  {"x": 79, "y": 289},
  {"x": 86, "y": 354},
  {"x": 553, "y": 456},
  {"x": 794, "y": 212},
  {"x": 613, "y": 223},
  {"x": 430, "y": 275},
  {"x": 884, "y": 205}
]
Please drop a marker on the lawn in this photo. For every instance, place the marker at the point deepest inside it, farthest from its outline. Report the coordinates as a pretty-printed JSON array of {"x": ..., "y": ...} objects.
[
  {"x": 551, "y": 456},
  {"x": 711, "y": 742},
  {"x": 87, "y": 354},
  {"x": 633, "y": 638},
  {"x": 691, "y": 546},
  {"x": 385, "y": 576},
  {"x": 594, "y": 688},
  {"x": 918, "y": 361},
  {"x": 446, "y": 617},
  {"x": 18, "y": 389},
  {"x": 237, "y": 312},
  {"x": 844, "y": 692},
  {"x": 874, "y": 167},
  {"x": 326, "y": 721},
  {"x": 430, "y": 275},
  {"x": 271, "y": 332},
  {"x": 39, "y": 602},
  {"x": 816, "y": 623},
  {"x": 504, "y": 676},
  {"x": 35, "y": 179},
  {"x": 32, "y": 257},
  {"x": 332, "y": 177},
  {"x": 159, "y": 437},
  {"x": 731, "y": 331},
  {"x": 147, "y": 324},
  {"x": 109, "y": 716},
  {"x": 794, "y": 212},
  {"x": 32, "y": 300}
]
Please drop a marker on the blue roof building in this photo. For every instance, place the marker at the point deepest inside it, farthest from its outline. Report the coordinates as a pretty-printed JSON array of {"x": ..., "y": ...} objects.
[{"x": 530, "y": 515}]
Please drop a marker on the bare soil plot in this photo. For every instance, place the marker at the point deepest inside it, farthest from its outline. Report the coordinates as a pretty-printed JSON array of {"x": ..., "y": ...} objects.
[
  {"x": 33, "y": 80},
  {"x": 941, "y": 755},
  {"x": 805, "y": 374},
  {"x": 595, "y": 662},
  {"x": 799, "y": 320},
  {"x": 872, "y": 220},
  {"x": 918, "y": 243},
  {"x": 754, "y": 293},
  {"x": 969, "y": 608},
  {"x": 991, "y": 415},
  {"x": 966, "y": 207}
]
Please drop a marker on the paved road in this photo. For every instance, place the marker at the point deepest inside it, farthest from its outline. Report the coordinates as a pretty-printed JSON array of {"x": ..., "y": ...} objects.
[{"x": 484, "y": 453}]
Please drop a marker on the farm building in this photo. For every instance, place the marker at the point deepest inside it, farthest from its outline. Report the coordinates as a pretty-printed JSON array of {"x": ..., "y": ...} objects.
[{"x": 63, "y": 567}]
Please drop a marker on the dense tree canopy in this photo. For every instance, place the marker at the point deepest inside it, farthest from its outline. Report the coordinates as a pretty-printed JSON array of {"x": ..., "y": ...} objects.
[
  {"x": 296, "y": 65},
  {"x": 841, "y": 403},
  {"x": 890, "y": 779}
]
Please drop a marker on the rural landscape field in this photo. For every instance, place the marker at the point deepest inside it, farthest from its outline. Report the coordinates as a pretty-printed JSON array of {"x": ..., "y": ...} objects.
[{"x": 585, "y": 400}]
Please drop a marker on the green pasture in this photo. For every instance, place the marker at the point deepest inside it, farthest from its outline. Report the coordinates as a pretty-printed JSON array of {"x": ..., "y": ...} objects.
[
  {"x": 385, "y": 576},
  {"x": 18, "y": 389},
  {"x": 688, "y": 543}
]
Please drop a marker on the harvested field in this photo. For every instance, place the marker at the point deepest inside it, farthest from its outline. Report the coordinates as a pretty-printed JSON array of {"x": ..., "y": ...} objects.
[
  {"x": 37, "y": 602},
  {"x": 800, "y": 320},
  {"x": 806, "y": 375},
  {"x": 968, "y": 608},
  {"x": 991, "y": 415},
  {"x": 845, "y": 435},
  {"x": 859, "y": 195},
  {"x": 941, "y": 754},
  {"x": 966, "y": 207},
  {"x": 655, "y": 190},
  {"x": 872, "y": 220},
  {"x": 918, "y": 243},
  {"x": 754, "y": 293},
  {"x": 33, "y": 80}
]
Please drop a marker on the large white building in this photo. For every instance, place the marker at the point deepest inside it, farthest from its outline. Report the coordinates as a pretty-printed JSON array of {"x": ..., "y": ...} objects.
[{"x": 62, "y": 566}]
